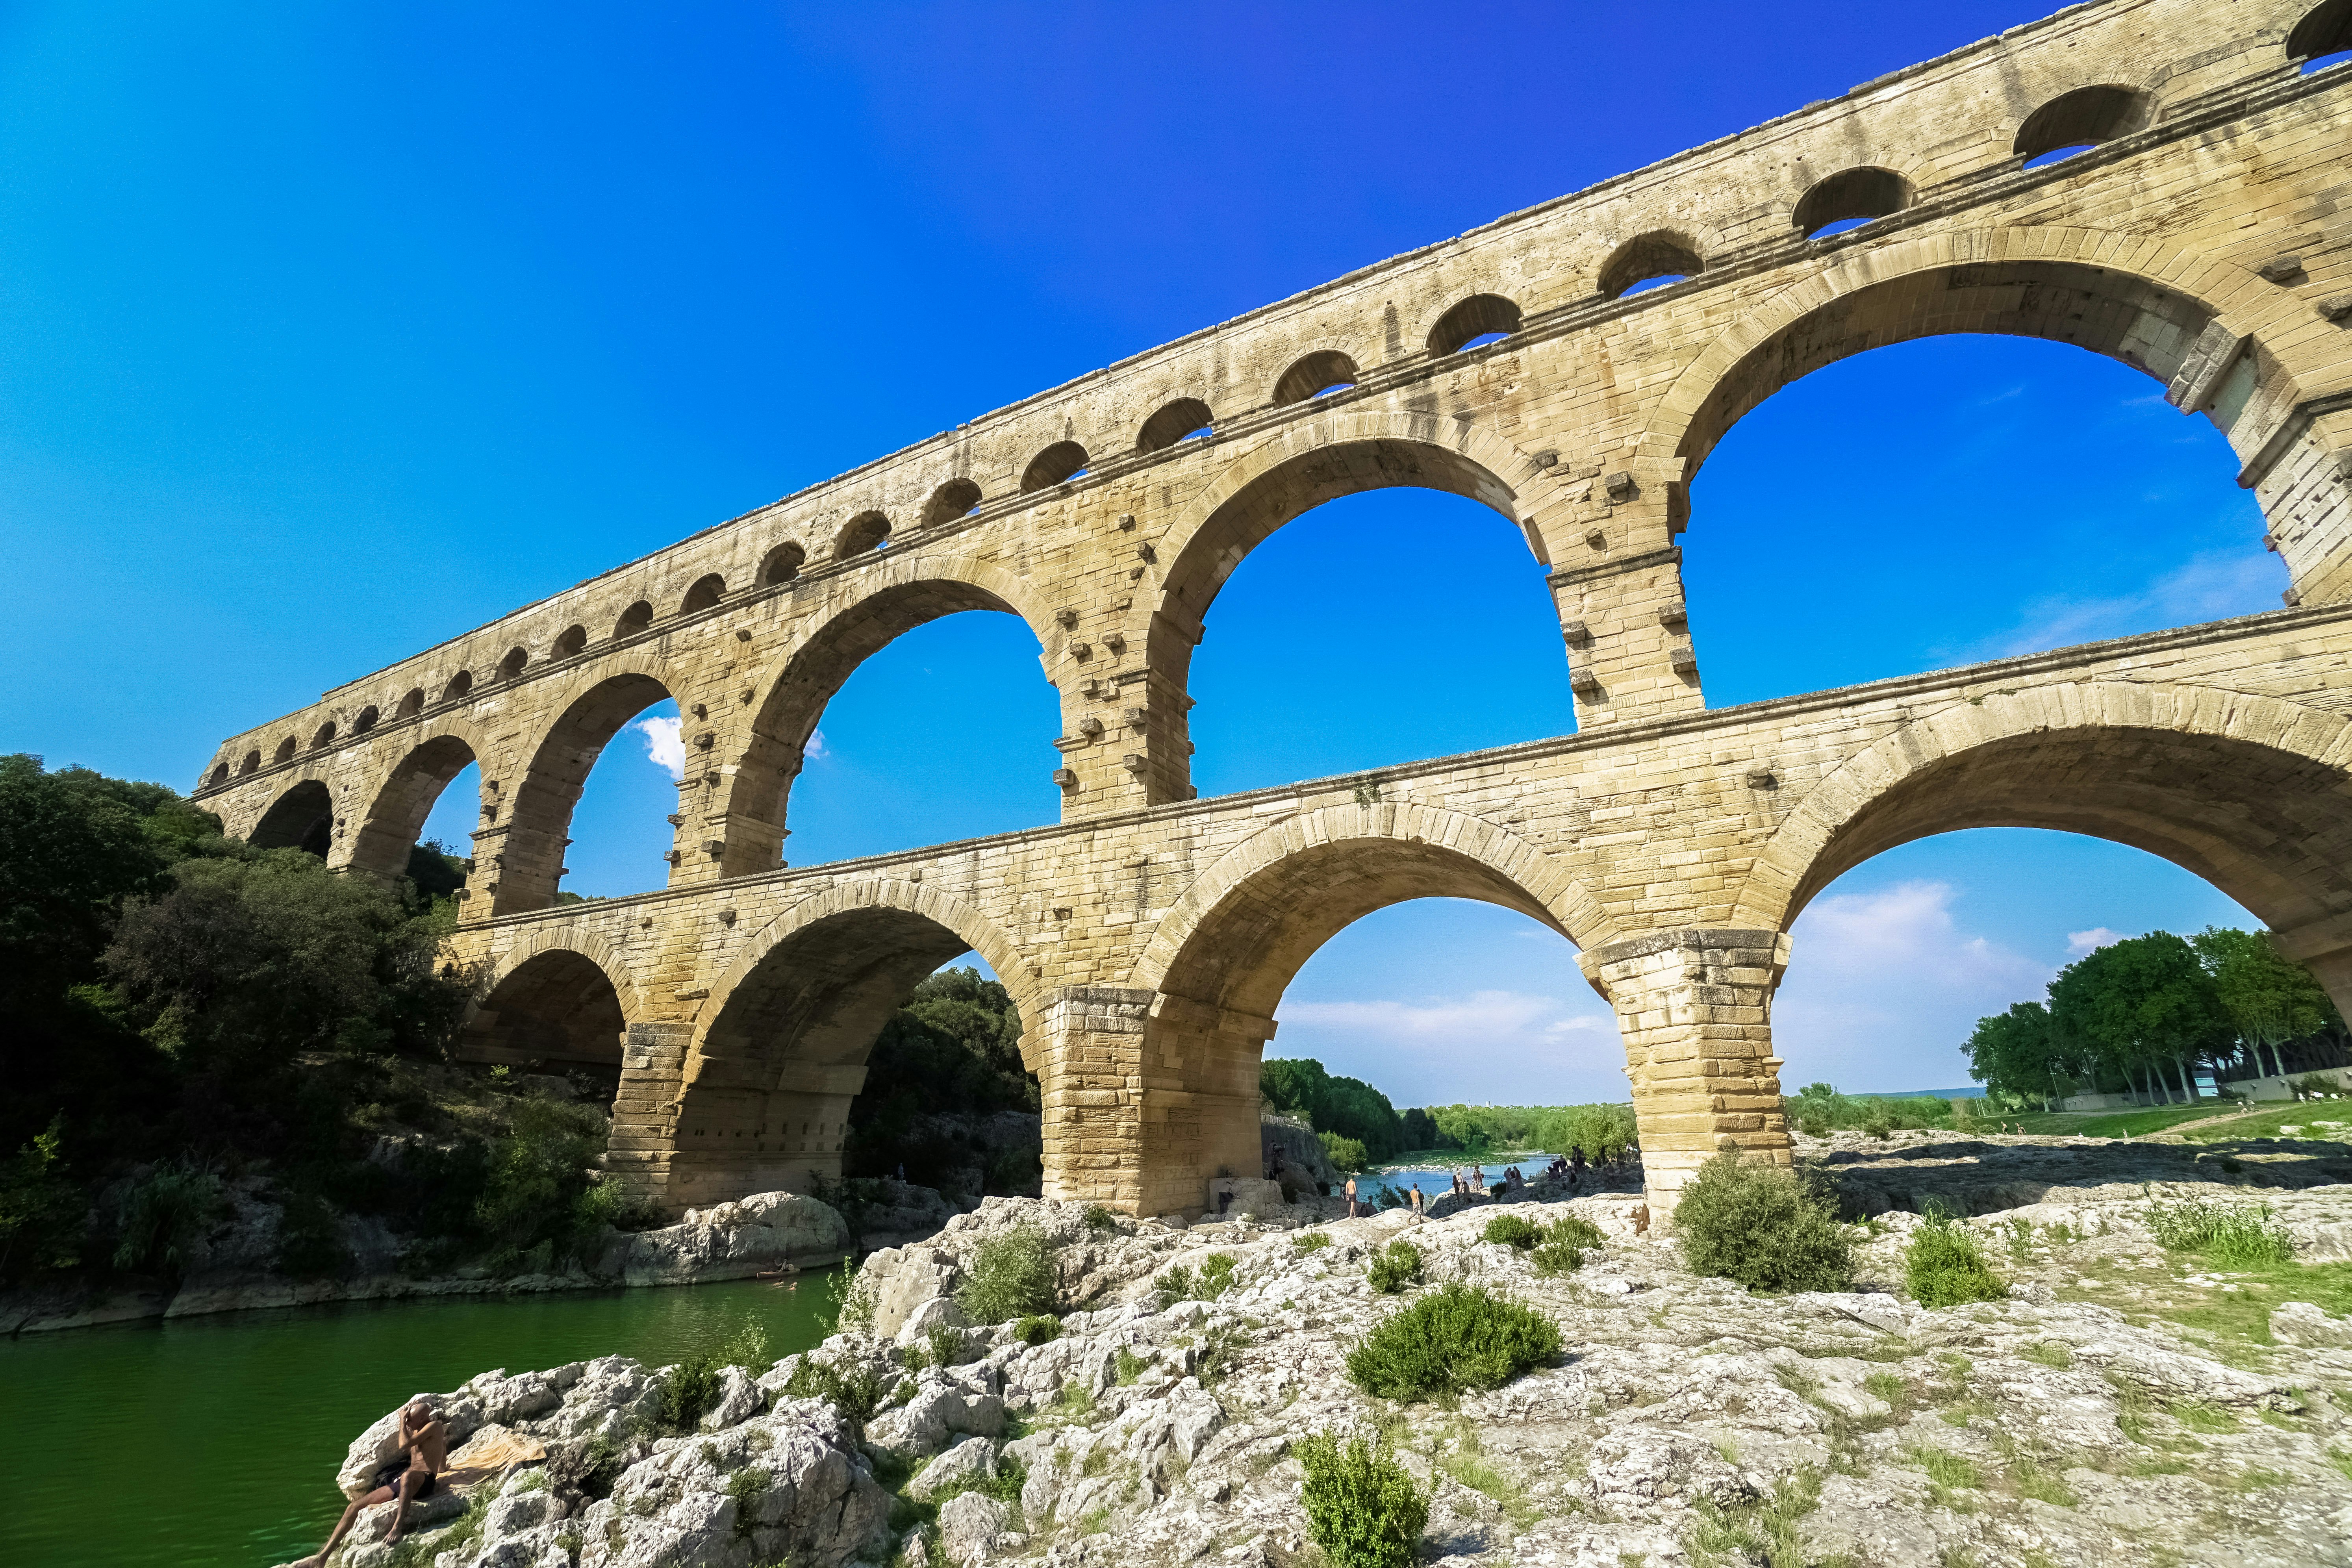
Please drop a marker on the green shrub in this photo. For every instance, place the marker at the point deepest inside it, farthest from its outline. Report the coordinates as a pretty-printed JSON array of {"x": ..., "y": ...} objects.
[
  {"x": 1565, "y": 1242},
  {"x": 1813, "y": 1124},
  {"x": 1042, "y": 1329},
  {"x": 1362, "y": 1509},
  {"x": 1452, "y": 1339},
  {"x": 856, "y": 1394},
  {"x": 1012, "y": 1276},
  {"x": 41, "y": 1212},
  {"x": 1311, "y": 1240},
  {"x": 1394, "y": 1267},
  {"x": 1510, "y": 1230},
  {"x": 745, "y": 1488},
  {"x": 746, "y": 1347},
  {"x": 688, "y": 1391},
  {"x": 1762, "y": 1225},
  {"x": 1098, "y": 1218},
  {"x": 1942, "y": 1266},
  {"x": 1182, "y": 1283},
  {"x": 2234, "y": 1236},
  {"x": 849, "y": 1297},
  {"x": 162, "y": 1216}
]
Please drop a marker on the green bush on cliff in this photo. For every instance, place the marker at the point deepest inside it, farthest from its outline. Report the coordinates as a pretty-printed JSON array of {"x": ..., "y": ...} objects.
[
  {"x": 1362, "y": 1509},
  {"x": 1763, "y": 1226},
  {"x": 1450, "y": 1341},
  {"x": 1011, "y": 1276}
]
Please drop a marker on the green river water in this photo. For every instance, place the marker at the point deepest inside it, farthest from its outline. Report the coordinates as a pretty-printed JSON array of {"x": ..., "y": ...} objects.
[{"x": 214, "y": 1441}]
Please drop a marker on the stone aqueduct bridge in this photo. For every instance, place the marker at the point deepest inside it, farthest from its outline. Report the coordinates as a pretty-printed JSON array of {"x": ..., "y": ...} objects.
[{"x": 2204, "y": 238}]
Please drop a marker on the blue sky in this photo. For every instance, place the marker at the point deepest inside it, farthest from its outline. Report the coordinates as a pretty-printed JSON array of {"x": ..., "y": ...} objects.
[{"x": 329, "y": 332}]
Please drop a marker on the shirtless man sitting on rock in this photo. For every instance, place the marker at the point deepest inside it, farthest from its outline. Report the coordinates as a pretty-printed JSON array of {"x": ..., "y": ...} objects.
[{"x": 406, "y": 1478}]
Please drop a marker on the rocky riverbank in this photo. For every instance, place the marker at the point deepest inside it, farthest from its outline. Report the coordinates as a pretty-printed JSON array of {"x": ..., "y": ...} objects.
[
  {"x": 2120, "y": 1404},
  {"x": 233, "y": 1268}
]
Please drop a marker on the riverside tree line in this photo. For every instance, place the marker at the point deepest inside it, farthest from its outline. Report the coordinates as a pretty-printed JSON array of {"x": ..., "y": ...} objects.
[
  {"x": 2148, "y": 1014},
  {"x": 1360, "y": 1128}
]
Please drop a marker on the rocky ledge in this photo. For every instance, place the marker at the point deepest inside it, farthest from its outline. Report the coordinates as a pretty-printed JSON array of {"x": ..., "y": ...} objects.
[
  {"x": 233, "y": 1269},
  {"x": 2120, "y": 1405}
]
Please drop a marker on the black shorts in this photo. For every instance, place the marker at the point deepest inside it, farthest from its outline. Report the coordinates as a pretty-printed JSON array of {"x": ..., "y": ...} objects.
[{"x": 389, "y": 1476}]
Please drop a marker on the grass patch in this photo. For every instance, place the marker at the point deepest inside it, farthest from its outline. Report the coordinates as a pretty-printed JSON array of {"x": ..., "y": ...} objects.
[
  {"x": 2198, "y": 1417},
  {"x": 1042, "y": 1329},
  {"x": 2342, "y": 1459},
  {"x": 1362, "y": 1509},
  {"x": 1763, "y": 1226},
  {"x": 1012, "y": 1276},
  {"x": 2233, "y": 1236},
  {"x": 1394, "y": 1267},
  {"x": 1762, "y": 1532},
  {"x": 2032, "y": 1478},
  {"x": 1128, "y": 1367},
  {"x": 2054, "y": 1354},
  {"x": 745, "y": 1488},
  {"x": 1311, "y": 1240},
  {"x": 856, "y": 1393},
  {"x": 1948, "y": 1473},
  {"x": 1451, "y": 1340},
  {"x": 1181, "y": 1282},
  {"x": 2272, "y": 1123}
]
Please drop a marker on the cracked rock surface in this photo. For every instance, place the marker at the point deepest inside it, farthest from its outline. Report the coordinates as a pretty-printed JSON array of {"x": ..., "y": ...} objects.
[{"x": 2120, "y": 1405}]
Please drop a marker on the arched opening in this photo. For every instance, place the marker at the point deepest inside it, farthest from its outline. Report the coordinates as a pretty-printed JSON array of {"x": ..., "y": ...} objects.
[
  {"x": 786, "y": 1053},
  {"x": 1183, "y": 417},
  {"x": 413, "y": 703},
  {"x": 936, "y": 724},
  {"x": 251, "y": 764},
  {"x": 2323, "y": 39},
  {"x": 1480, "y": 319},
  {"x": 285, "y": 751},
  {"x": 1850, "y": 198},
  {"x": 218, "y": 776},
  {"x": 303, "y": 818},
  {"x": 540, "y": 821},
  {"x": 325, "y": 737},
  {"x": 634, "y": 620},
  {"x": 953, "y": 499},
  {"x": 1470, "y": 657},
  {"x": 365, "y": 721},
  {"x": 782, "y": 565},
  {"x": 460, "y": 685},
  {"x": 1357, "y": 604},
  {"x": 556, "y": 1006},
  {"x": 864, "y": 532},
  {"x": 569, "y": 642},
  {"x": 512, "y": 665},
  {"x": 1062, "y": 460},
  {"x": 2266, "y": 829},
  {"x": 1233, "y": 959},
  {"x": 2077, "y": 120},
  {"x": 395, "y": 821},
  {"x": 706, "y": 591},
  {"x": 1649, "y": 261},
  {"x": 1326, "y": 370},
  {"x": 2114, "y": 514}
]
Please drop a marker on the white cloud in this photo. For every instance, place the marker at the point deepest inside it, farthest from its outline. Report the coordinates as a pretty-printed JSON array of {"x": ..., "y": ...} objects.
[
  {"x": 816, "y": 749},
  {"x": 2209, "y": 587},
  {"x": 1882, "y": 987},
  {"x": 2079, "y": 942},
  {"x": 1478, "y": 1018},
  {"x": 664, "y": 746},
  {"x": 1492, "y": 1046}
]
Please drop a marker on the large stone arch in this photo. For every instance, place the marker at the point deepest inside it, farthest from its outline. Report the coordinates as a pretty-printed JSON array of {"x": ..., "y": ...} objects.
[
  {"x": 552, "y": 995},
  {"x": 2251, "y": 793},
  {"x": 299, "y": 815},
  {"x": 1217, "y": 967},
  {"x": 526, "y": 818},
  {"x": 777, "y": 1053},
  {"x": 1338, "y": 452},
  {"x": 404, "y": 795},
  {"x": 875, "y": 608},
  {"x": 1870, "y": 296}
]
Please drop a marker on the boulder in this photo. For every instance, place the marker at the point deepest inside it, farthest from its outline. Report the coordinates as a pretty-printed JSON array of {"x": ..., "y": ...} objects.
[
  {"x": 972, "y": 1460},
  {"x": 728, "y": 1241},
  {"x": 968, "y": 1525},
  {"x": 2302, "y": 1323}
]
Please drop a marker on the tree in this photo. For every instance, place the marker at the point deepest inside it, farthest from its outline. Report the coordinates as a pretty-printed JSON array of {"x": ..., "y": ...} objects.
[
  {"x": 2269, "y": 1000},
  {"x": 2143, "y": 1001},
  {"x": 1293, "y": 1086},
  {"x": 2015, "y": 1052}
]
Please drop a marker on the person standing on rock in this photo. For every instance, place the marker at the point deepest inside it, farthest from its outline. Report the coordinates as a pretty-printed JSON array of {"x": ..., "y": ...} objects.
[
  {"x": 406, "y": 1478},
  {"x": 1352, "y": 1197},
  {"x": 1418, "y": 1212}
]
